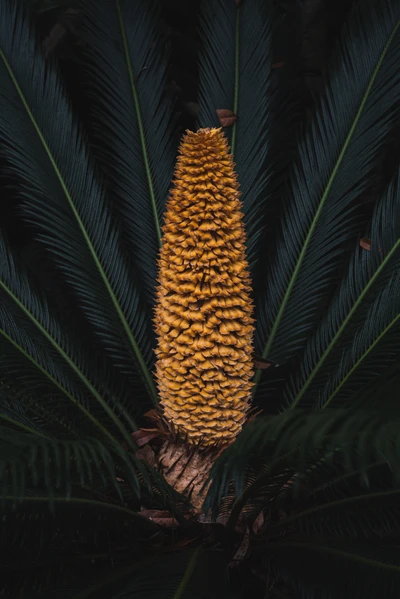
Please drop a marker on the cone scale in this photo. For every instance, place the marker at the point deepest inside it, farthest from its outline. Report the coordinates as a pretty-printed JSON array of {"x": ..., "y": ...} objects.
[{"x": 203, "y": 315}]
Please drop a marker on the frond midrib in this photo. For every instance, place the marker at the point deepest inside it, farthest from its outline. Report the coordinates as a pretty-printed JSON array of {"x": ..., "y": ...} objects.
[
  {"x": 92, "y": 251},
  {"x": 321, "y": 205},
  {"x": 344, "y": 324},
  {"x": 332, "y": 505},
  {"x": 361, "y": 359},
  {"x": 71, "y": 364},
  {"x": 335, "y": 552},
  {"x": 138, "y": 111},
  {"x": 73, "y": 500}
]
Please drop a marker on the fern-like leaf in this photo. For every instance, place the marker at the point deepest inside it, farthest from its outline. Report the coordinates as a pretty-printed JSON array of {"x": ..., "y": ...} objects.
[
  {"x": 337, "y": 157},
  {"x": 361, "y": 436},
  {"x": 62, "y": 195},
  {"x": 372, "y": 279},
  {"x": 126, "y": 78},
  {"x": 317, "y": 569},
  {"x": 235, "y": 73},
  {"x": 33, "y": 309}
]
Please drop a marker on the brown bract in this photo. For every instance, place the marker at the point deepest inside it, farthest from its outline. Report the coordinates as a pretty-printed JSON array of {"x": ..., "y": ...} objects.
[{"x": 203, "y": 315}]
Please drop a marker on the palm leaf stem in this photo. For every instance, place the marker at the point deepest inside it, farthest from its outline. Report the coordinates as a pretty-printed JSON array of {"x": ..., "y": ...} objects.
[
  {"x": 314, "y": 223},
  {"x": 360, "y": 360},
  {"x": 73, "y": 366},
  {"x": 140, "y": 124},
  {"x": 85, "y": 234},
  {"x": 23, "y": 426},
  {"x": 188, "y": 574},
  {"x": 345, "y": 322}
]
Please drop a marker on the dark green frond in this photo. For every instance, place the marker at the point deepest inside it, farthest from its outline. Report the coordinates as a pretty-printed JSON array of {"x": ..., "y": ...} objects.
[
  {"x": 375, "y": 347},
  {"x": 337, "y": 157},
  {"x": 318, "y": 569},
  {"x": 362, "y": 315},
  {"x": 14, "y": 414},
  {"x": 363, "y": 516},
  {"x": 126, "y": 76},
  {"x": 62, "y": 362},
  {"x": 62, "y": 195},
  {"x": 263, "y": 484},
  {"x": 361, "y": 436},
  {"x": 51, "y": 549},
  {"x": 54, "y": 466},
  {"x": 235, "y": 73},
  {"x": 185, "y": 575},
  {"x": 382, "y": 393}
]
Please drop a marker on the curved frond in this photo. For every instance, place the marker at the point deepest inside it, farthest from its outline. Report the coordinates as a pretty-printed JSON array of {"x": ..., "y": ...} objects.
[
  {"x": 62, "y": 195},
  {"x": 50, "y": 548},
  {"x": 375, "y": 346},
  {"x": 361, "y": 436},
  {"x": 185, "y": 575},
  {"x": 33, "y": 310},
  {"x": 368, "y": 515},
  {"x": 235, "y": 72},
  {"x": 382, "y": 393},
  {"x": 55, "y": 466},
  {"x": 363, "y": 311},
  {"x": 319, "y": 569},
  {"x": 13, "y": 413},
  {"x": 337, "y": 157},
  {"x": 126, "y": 78}
]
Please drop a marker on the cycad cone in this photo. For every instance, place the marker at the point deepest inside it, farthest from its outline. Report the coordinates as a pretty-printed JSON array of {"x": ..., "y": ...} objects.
[{"x": 203, "y": 313}]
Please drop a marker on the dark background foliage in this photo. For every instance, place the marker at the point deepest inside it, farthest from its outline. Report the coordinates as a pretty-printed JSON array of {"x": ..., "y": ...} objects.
[
  {"x": 302, "y": 45},
  {"x": 310, "y": 24}
]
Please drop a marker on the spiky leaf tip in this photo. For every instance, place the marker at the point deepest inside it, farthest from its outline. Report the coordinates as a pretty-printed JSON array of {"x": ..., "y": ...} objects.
[{"x": 203, "y": 316}]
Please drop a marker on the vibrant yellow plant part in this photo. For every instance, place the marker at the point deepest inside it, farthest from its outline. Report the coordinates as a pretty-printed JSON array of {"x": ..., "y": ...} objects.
[{"x": 203, "y": 315}]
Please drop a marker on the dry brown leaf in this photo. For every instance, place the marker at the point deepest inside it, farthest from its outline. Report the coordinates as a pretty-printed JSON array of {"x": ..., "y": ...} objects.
[
  {"x": 147, "y": 455},
  {"x": 258, "y": 523},
  {"x": 143, "y": 435},
  {"x": 160, "y": 517},
  {"x": 261, "y": 363},
  {"x": 365, "y": 243},
  {"x": 242, "y": 549},
  {"x": 226, "y": 117}
]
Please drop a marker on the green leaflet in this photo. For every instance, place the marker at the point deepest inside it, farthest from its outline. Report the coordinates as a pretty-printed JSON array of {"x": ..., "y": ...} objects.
[{"x": 140, "y": 124}]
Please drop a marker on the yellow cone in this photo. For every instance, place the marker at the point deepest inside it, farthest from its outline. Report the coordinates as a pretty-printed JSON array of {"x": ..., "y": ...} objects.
[{"x": 203, "y": 313}]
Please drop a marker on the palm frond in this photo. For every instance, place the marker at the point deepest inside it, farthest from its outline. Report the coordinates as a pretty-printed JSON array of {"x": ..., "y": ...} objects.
[
  {"x": 235, "y": 73},
  {"x": 32, "y": 310},
  {"x": 181, "y": 576},
  {"x": 62, "y": 196},
  {"x": 42, "y": 6},
  {"x": 126, "y": 78},
  {"x": 13, "y": 412},
  {"x": 50, "y": 549},
  {"x": 337, "y": 156},
  {"x": 375, "y": 347},
  {"x": 381, "y": 393},
  {"x": 54, "y": 466},
  {"x": 361, "y": 436},
  {"x": 367, "y": 515},
  {"x": 371, "y": 279},
  {"x": 262, "y": 485},
  {"x": 317, "y": 569}
]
